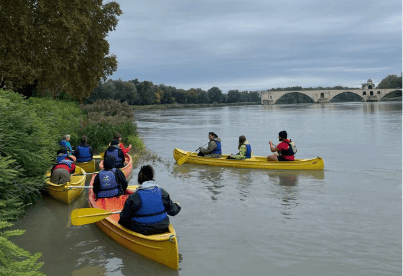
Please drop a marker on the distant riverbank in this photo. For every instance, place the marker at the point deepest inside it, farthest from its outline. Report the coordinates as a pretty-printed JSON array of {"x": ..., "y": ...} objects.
[{"x": 168, "y": 106}]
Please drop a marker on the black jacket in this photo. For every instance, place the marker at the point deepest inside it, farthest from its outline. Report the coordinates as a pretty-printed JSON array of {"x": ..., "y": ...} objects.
[
  {"x": 120, "y": 178},
  {"x": 120, "y": 154},
  {"x": 133, "y": 204}
]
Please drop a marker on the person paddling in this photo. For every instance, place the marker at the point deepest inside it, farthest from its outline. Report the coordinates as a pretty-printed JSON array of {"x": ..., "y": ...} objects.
[
  {"x": 283, "y": 151},
  {"x": 61, "y": 172},
  {"x": 146, "y": 210},
  {"x": 118, "y": 137},
  {"x": 110, "y": 181},
  {"x": 214, "y": 147}
]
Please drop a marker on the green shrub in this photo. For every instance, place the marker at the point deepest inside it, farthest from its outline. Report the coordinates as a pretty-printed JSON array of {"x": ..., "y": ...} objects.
[{"x": 13, "y": 259}]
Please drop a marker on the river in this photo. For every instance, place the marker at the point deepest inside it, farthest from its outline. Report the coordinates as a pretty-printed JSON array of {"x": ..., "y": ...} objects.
[{"x": 345, "y": 220}]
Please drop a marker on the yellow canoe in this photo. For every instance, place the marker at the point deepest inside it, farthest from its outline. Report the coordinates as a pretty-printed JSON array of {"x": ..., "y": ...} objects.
[
  {"x": 127, "y": 169},
  {"x": 89, "y": 166},
  {"x": 162, "y": 248},
  {"x": 61, "y": 192},
  {"x": 256, "y": 162}
]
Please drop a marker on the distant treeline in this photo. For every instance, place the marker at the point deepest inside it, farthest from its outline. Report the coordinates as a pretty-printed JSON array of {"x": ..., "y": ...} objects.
[{"x": 135, "y": 92}]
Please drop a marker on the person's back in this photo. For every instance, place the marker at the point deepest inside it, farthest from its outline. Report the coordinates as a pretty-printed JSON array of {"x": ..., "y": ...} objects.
[
  {"x": 64, "y": 167},
  {"x": 115, "y": 151},
  {"x": 83, "y": 152},
  {"x": 110, "y": 181},
  {"x": 146, "y": 210}
]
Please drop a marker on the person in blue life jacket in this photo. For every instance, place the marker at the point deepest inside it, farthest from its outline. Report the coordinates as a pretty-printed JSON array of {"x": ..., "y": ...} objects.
[
  {"x": 83, "y": 152},
  {"x": 146, "y": 210},
  {"x": 64, "y": 167},
  {"x": 214, "y": 147},
  {"x": 245, "y": 150},
  {"x": 116, "y": 151},
  {"x": 65, "y": 143},
  {"x": 110, "y": 181}
]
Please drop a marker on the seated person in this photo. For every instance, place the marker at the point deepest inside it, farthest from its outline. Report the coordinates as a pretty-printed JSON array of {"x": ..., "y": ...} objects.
[
  {"x": 283, "y": 150},
  {"x": 110, "y": 181},
  {"x": 65, "y": 143},
  {"x": 146, "y": 210},
  {"x": 245, "y": 150},
  {"x": 115, "y": 151},
  {"x": 118, "y": 137},
  {"x": 83, "y": 152},
  {"x": 61, "y": 172},
  {"x": 214, "y": 147}
]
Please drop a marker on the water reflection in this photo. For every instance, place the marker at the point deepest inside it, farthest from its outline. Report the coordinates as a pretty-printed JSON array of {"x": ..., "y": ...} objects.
[
  {"x": 287, "y": 187},
  {"x": 213, "y": 180}
]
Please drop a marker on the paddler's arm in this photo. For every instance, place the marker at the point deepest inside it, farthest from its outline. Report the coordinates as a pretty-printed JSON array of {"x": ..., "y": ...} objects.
[
  {"x": 241, "y": 154},
  {"x": 272, "y": 147},
  {"x": 132, "y": 204},
  {"x": 171, "y": 208}
]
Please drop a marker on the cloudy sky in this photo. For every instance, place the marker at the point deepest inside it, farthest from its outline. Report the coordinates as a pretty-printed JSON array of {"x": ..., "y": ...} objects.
[{"x": 258, "y": 44}]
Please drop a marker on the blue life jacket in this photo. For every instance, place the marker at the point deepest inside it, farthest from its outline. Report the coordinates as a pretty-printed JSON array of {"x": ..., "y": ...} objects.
[
  {"x": 84, "y": 154},
  {"x": 66, "y": 145},
  {"x": 152, "y": 209},
  {"x": 62, "y": 160},
  {"x": 115, "y": 153},
  {"x": 248, "y": 151},
  {"x": 217, "y": 150},
  {"x": 109, "y": 187},
  {"x": 61, "y": 157}
]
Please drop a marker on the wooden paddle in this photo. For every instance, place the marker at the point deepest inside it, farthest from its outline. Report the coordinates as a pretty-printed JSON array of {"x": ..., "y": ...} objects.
[
  {"x": 89, "y": 215},
  {"x": 184, "y": 158}
]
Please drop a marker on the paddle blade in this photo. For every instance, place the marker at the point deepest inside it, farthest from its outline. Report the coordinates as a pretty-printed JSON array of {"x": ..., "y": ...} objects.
[
  {"x": 97, "y": 157},
  {"x": 184, "y": 158},
  {"x": 88, "y": 215},
  {"x": 134, "y": 187}
]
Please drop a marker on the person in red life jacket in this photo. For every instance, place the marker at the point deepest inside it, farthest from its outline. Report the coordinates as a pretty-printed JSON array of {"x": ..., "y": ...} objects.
[
  {"x": 83, "y": 152},
  {"x": 146, "y": 210},
  {"x": 214, "y": 147},
  {"x": 283, "y": 150},
  {"x": 245, "y": 150},
  {"x": 110, "y": 181},
  {"x": 116, "y": 151},
  {"x": 118, "y": 137},
  {"x": 61, "y": 172}
]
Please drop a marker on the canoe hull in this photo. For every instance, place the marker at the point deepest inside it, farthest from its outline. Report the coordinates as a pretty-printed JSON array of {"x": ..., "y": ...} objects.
[
  {"x": 64, "y": 194},
  {"x": 256, "y": 162},
  {"x": 162, "y": 248},
  {"x": 88, "y": 167}
]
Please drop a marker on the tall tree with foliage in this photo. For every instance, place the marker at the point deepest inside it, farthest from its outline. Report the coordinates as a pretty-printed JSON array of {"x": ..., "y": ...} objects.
[
  {"x": 215, "y": 95},
  {"x": 391, "y": 81},
  {"x": 55, "y": 44}
]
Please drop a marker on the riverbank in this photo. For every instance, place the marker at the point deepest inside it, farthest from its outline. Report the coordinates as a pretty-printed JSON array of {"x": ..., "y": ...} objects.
[{"x": 176, "y": 105}]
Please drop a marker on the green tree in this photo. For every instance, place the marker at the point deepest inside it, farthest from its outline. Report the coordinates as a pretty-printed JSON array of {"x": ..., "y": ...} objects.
[
  {"x": 125, "y": 91},
  {"x": 55, "y": 44},
  {"x": 233, "y": 96},
  {"x": 215, "y": 95},
  {"x": 145, "y": 91},
  {"x": 391, "y": 81}
]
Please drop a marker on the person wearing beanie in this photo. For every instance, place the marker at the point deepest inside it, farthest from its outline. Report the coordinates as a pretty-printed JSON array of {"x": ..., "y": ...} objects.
[
  {"x": 214, "y": 147},
  {"x": 110, "y": 181},
  {"x": 146, "y": 210},
  {"x": 116, "y": 151},
  {"x": 283, "y": 151}
]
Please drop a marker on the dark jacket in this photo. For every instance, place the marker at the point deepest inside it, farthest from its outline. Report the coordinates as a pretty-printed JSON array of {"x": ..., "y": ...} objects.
[
  {"x": 109, "y": 164},
  {"x": 133, "y": 203},
  {"x": 120, "y": 154}
]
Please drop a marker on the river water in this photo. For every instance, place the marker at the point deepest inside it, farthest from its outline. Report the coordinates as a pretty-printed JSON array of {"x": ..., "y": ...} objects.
[{"x": 345, "y": 220}]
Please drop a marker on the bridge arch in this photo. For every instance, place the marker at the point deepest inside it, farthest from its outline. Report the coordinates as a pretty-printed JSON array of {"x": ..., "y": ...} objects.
[
  {"x": 354, "y": 97},
  {"x": 296, "y": 96},
  {"x": 395, "y": 91}
]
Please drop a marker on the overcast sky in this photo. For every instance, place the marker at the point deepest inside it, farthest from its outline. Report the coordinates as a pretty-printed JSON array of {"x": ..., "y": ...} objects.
[{"x": 258, "y": 44}]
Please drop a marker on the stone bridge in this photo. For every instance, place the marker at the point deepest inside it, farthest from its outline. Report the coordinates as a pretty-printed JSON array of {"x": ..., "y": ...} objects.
[{"x": 325, "y": 96}]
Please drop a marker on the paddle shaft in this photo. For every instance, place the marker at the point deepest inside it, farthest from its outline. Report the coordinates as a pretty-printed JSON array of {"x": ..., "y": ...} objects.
[
  {"x": 89, "y": 215},
  {"x": 184, "y": 158},
  {"x": 90, "y": 187},
  {"x": 79, "y": 174}
]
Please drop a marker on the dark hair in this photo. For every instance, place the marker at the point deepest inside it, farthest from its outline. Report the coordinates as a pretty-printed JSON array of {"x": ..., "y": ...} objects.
[
  {"x": 109, "y": 162},
  {"x": 146, "y": 173},
  {"x": 283, "y": 134},
  {"x": 114, "y": 142},
  {"x": 213, "y": 134},
  {"x": 84, "y": 139},
  {"x": 242, "y": 140},
  {"x": 117, "y": 136},
  {"x": 61, "y": 151}
]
